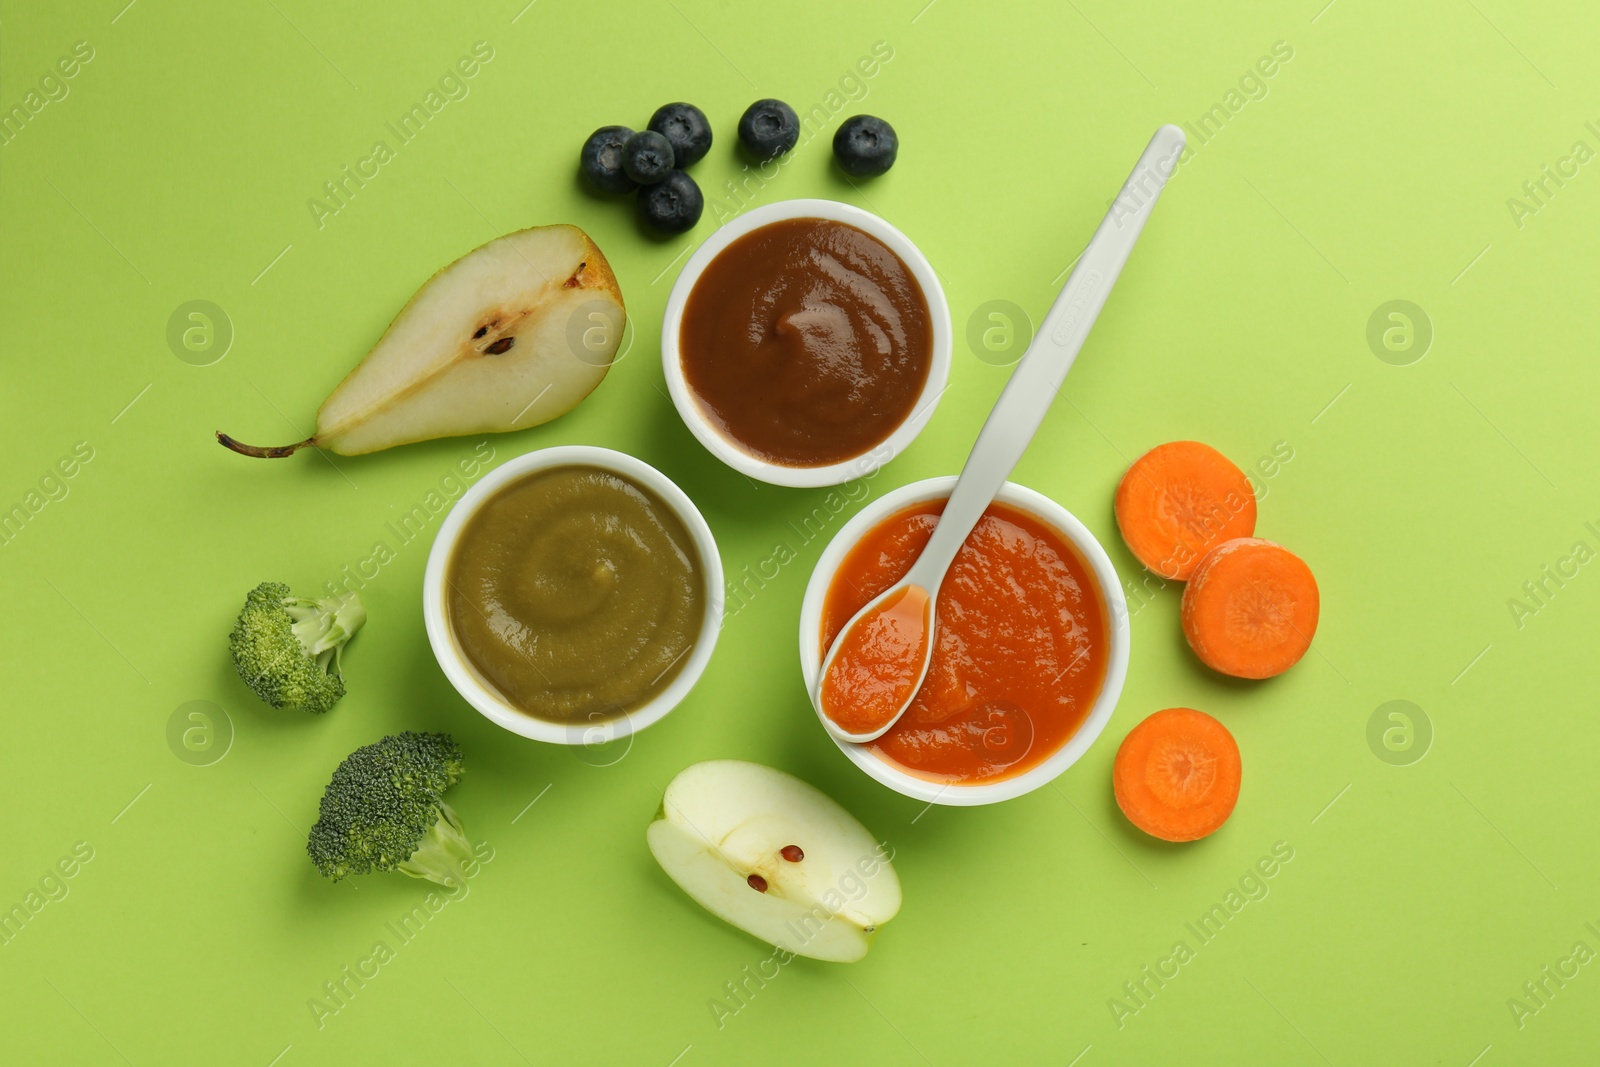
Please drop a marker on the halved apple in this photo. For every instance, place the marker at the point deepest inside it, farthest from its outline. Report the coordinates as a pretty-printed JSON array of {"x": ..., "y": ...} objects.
[
  {"x": 775, "y": 857},
  {"x": 508, "y": 336}
]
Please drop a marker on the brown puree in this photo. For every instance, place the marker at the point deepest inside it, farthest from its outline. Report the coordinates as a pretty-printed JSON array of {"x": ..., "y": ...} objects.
[
  {"x": 806, "y": 341},
  {"x": 576, "y": 593}
]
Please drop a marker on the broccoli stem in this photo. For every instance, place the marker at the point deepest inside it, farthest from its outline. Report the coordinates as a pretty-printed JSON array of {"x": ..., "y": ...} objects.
[
  {"x": 323, "y": 626},
  {"x": 442, "y": 853}
]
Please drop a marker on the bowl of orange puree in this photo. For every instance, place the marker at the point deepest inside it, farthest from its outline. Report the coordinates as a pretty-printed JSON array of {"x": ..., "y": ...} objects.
[{"x": 1031, "y": 642}]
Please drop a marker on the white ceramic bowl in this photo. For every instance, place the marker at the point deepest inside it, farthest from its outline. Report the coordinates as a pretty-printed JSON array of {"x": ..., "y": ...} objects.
[
  {"x": 1051, "y": 514},
  {"x": 728, "y": 450},
  {"x": 483, "y": 696}
]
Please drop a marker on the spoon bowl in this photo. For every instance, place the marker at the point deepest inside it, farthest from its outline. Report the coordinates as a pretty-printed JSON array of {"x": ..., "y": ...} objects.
[{"x": 900, "y": 616}]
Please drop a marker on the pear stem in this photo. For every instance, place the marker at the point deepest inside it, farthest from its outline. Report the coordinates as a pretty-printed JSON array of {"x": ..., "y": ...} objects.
[{"x": 274, "y": 452}]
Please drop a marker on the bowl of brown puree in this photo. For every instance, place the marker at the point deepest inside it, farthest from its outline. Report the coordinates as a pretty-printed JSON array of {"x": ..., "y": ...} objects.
[{"x": 806, "y": 343}]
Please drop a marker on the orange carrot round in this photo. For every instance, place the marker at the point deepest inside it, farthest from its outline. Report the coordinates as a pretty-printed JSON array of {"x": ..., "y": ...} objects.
[
  {"x": 1178, "y": 501},
  {"x": 1176, "y": 775},
  {"x": 1250, "y": 608}
]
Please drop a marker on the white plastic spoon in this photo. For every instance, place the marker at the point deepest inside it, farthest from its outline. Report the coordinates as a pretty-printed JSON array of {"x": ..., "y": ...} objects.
[{"x": 891, "y": 638}]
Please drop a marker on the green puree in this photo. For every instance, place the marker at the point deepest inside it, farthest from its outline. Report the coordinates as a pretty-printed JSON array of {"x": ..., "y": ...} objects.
[{"x": 576, "y": 593}]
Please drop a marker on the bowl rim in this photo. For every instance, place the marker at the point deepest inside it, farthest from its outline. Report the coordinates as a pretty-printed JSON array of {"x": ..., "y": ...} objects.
[
  {"x": 727, "y": 450},
  {"x": 1045, "y": 510},
  {"x": 478, "y": 692}
]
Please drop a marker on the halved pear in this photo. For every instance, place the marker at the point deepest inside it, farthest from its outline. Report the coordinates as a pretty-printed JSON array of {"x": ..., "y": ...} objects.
[
  {"x": 775, "y": 857},
  {"x": 508, "y": 336}
]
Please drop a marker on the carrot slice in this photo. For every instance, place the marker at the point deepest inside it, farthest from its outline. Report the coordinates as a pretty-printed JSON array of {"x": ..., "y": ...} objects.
[
  {"x": 1250, "y": 608},
  {"x": 1178, "y": 501},
  {"x": 1176, "y": 776}
]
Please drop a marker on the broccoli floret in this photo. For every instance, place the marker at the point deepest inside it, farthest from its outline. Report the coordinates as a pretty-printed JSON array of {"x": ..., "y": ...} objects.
[
  {"x": 286, "y": 648},
  {"x": 384, "y": 811}
]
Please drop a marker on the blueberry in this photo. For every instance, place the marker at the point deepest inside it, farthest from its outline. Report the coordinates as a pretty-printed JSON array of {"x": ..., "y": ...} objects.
[
  {"x": 768, "y": 129},
  {"x": 647, "y": 157},
  {"x": 601, "y": 160},
  {"x": 672, "y": 205},
  {"x": 686, "y": 127},
  {"x": 865, "y": 146}
]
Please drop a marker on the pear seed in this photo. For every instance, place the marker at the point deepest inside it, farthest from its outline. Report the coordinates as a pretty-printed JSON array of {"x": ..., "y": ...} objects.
[
  {"x": 481, "y": 331},
  {"x": 501, "y": 346},
  {"x": 792, "y": 853},
  {"x": 758, "y": 883}
]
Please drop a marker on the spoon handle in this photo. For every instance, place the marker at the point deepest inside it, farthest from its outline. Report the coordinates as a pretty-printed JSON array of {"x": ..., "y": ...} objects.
[{"x": 1027, "y": 396}]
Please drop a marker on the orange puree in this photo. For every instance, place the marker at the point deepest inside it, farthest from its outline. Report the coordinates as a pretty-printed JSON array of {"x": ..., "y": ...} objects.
[
  {"x": 875, "y": 671},
  {"x": 1020, "y": 643}
]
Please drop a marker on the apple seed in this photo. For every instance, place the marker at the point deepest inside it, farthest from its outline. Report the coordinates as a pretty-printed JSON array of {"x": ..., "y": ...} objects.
[
  {"x": 792, "y": 853},
  {"x": 758, "y": 883},
  {"x": 500, "y": 347}
]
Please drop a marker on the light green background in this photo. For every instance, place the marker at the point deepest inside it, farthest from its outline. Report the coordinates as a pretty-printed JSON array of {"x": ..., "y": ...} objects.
[{"x": 1377, "y": 166}]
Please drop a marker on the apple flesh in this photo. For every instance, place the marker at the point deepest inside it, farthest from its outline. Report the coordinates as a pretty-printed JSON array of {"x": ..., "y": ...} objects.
[
  {"x": 728, "y": 833},
  {"x": 508, "y": 336}
]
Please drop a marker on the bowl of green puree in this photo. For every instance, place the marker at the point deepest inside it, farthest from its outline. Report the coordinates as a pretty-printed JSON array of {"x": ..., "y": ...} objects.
[{"x": 573, "y": 594}]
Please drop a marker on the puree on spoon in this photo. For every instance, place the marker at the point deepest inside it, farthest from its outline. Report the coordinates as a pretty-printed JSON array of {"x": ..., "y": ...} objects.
[
  {"x": 1020, "y": 650},
  {"x": 806, "y": 342},
  {"x": 874, "y": 673},
  {"x": 576, "y": 593}
]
